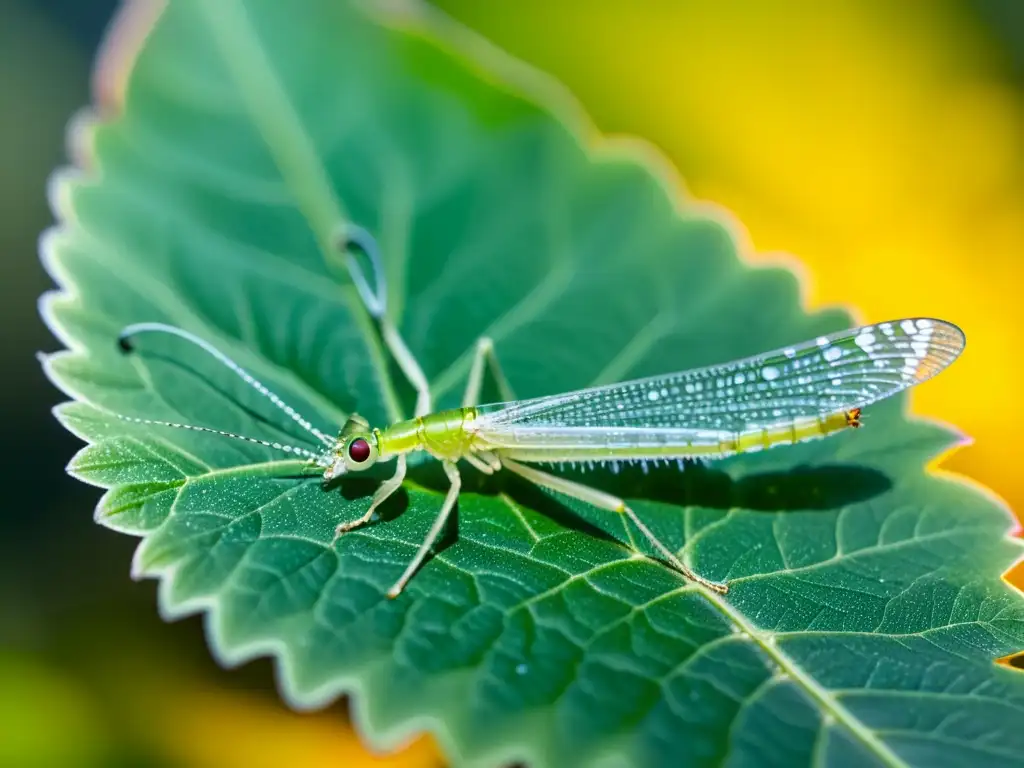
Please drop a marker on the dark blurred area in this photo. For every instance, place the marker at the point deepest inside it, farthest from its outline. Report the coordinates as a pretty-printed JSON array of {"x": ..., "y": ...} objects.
[{"x": 90, "y": 674}]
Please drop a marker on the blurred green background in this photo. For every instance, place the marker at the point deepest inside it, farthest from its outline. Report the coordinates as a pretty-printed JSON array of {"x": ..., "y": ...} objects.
[{"x": 880, "y": 143}]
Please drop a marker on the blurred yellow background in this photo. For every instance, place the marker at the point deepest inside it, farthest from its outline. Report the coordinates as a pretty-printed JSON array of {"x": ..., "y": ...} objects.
[{"x": 881, "y": 143}]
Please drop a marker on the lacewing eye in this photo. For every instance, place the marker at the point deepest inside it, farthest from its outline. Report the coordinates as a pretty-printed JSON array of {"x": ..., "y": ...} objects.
[{"x": 359, "y": 450}]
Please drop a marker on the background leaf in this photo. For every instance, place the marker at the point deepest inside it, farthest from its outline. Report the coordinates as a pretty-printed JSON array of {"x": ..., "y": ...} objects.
[{"x": 865, "y": 608}]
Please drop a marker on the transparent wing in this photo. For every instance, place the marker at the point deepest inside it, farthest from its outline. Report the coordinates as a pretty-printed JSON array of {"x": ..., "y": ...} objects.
[{"x": 835, "y": 373}]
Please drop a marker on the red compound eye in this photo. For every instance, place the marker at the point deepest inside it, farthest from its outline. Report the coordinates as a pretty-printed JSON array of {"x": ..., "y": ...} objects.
[{"x": 359, "y": 450}]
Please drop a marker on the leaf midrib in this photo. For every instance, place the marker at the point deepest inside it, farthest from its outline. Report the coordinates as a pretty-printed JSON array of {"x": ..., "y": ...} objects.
[
  {"x": 276, "y": 120},
  {"x": 293, "y": 151},
  {"x": 825, "y": 698}
]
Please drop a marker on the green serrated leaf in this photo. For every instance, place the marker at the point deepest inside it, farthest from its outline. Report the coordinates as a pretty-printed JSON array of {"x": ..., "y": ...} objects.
[
  {"x": 139, "y": 508},
  {"x": 865, "y": 607}
]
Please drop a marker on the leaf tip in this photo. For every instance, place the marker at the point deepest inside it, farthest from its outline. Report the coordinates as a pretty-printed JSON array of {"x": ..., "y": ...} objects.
[
  {"x": 74, "y": 467},
  {"x": 963, "y": 440},
  {"x": 79, "y": 138},
  {"x": 58, "y": 196}
]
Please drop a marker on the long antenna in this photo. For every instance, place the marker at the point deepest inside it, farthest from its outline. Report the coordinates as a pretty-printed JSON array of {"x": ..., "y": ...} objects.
[
  {"x": 354, "y": 236},
  {"x": 375, "y": 301},
  {"x": 279, "y": 446},
  {"x": 123, "y": 341}
]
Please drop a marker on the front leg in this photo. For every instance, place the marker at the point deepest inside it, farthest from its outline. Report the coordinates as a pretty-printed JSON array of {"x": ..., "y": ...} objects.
[
  {"x": 446, "y": 507},
  {"x": 385, "y": 490}
]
